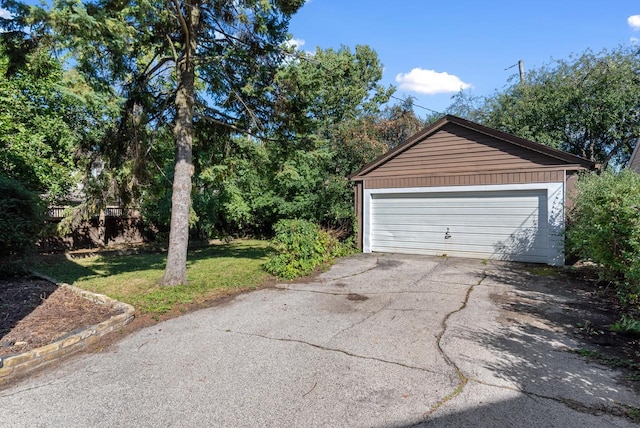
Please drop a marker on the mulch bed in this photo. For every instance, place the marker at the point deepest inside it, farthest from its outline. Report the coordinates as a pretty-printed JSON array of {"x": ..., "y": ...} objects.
[{"x": 35, "y": 312}]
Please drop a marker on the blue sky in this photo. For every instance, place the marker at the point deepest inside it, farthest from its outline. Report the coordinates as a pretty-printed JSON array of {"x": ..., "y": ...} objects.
[{"x": 432, "y": 48}]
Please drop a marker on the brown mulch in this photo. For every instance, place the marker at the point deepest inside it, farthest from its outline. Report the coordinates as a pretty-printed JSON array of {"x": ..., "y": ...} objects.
[{"x": 35, "y": 312}]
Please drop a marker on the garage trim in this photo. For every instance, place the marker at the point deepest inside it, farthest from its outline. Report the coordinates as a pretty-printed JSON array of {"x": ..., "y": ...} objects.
[{"x": 555, "y": 193}]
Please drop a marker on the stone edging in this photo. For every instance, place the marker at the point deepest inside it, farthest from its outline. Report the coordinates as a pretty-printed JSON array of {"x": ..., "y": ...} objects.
[{"x": 19, "y": 364}]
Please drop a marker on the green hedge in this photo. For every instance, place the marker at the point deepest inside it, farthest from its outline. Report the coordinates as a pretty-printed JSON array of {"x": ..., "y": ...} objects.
[
  {"x": 604, "y": 227},
  {"x": 300, "y": 246}
]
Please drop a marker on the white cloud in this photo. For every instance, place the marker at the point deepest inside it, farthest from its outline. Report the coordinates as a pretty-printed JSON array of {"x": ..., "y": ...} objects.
[
  {"x": 430, "y": 82},
  {"x": 634, "y": 41},
  {"x": 4, "y": 13},
  {"x": 295, "y": 43},
  {"x": 634, "y": 22}
]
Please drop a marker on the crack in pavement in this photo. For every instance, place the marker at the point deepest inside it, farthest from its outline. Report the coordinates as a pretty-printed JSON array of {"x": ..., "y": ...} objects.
[
  {"x": 389, "y": 301},
  {"x": 462, "y": 379},
  {"x": 370, "y": 293},
  {"x": 52, "y": 382},
  {"x": 622, "y": 410},
  {"x": 362, "y": 320},
  {"x": 325, "y": 348}
]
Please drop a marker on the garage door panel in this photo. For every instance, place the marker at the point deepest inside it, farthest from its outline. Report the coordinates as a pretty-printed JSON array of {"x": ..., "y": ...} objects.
[
  {"x": 472, "y": 203},
  {"x": 451, "y": 221},
  {"x": 508, "y": 225},
  {"x": 532, "y": 258},
  {"x": 455, "y": 237},
  {"x": 490, "y": 243},
  {"x": 438, "y": 248},
  {"x": 453, "y": 212}
]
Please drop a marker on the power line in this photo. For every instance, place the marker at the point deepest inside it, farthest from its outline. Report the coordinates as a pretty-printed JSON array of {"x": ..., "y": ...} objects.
[{"x": 417, "y": 105}]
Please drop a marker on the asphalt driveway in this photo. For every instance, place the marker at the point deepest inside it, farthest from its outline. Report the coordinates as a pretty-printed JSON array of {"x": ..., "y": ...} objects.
[{"x": 377, "y": 341}]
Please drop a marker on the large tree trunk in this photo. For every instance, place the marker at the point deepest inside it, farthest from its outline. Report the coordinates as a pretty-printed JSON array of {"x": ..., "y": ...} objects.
[{"x": 176, "y": 270}]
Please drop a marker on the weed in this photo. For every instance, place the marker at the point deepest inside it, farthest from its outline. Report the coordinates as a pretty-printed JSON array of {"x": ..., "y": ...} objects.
[
  {"x": 613, "y": 362},
  {"x": 627, "y": 324},
  {"x": 588, "y": 329},
  {"x": 634, "y": 414},
  {"x": 587, "y": 353},
  {"x": 542, "y": 270}
]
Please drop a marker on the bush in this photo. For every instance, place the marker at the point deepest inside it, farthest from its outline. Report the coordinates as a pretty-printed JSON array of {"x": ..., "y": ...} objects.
[
  {"x": 21, "y": 220},
  {"x": 605, "y": 228},
  {"x": 301, "y": 246}
]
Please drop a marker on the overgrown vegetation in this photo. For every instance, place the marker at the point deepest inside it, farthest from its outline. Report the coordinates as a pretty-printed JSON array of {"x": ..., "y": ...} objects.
[
  {"x": 300, "y": 247},
  {"x": 605, "y": 229},
  {"x": 21, "y": 220}
]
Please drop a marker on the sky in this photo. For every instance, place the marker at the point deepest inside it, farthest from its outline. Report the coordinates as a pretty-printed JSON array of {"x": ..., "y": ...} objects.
[{"x": 432, "y": 49}]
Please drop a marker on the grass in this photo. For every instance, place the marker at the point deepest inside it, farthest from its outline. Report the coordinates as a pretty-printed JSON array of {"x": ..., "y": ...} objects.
[{"x": 212, "y": 271}]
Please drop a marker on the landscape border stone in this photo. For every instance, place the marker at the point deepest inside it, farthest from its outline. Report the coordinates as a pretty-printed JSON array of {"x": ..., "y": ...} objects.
[{"x": 15, "y": 365}]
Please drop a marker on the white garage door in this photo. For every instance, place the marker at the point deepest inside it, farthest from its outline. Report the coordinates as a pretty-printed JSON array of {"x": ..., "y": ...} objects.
[{"x": 506, "y": 225}]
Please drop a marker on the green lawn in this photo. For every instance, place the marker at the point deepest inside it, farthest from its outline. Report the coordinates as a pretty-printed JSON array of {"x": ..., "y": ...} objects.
[{"x": 212, "y": 271}]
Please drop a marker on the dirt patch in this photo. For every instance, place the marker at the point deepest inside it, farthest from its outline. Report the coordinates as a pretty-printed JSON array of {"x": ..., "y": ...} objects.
[
  {"x": 35, "y": 312},
  {"x": 19, "y": 297}
]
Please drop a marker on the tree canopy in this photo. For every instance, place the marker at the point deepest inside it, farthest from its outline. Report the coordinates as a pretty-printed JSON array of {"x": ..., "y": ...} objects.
[{"x": 588, "y": 105}]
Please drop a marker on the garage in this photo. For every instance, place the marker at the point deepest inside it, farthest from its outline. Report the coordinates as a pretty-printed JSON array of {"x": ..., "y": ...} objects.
[{"x": 463, "y": 190}]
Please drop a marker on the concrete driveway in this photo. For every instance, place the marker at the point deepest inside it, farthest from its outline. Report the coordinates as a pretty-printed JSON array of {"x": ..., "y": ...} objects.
[{"x": 377, "y": 341}]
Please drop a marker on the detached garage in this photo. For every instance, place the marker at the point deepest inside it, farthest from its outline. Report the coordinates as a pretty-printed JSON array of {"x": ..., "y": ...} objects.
[{"x": 461, "y": 189}]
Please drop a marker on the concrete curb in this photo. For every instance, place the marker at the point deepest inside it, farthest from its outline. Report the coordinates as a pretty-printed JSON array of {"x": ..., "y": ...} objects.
[{"x": 19, "y": 364}]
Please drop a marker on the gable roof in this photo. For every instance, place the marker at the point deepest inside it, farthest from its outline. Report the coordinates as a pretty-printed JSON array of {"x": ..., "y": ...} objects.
[
  {"x": 561, "y": 156},
  {"x": 634, "y": 161}
]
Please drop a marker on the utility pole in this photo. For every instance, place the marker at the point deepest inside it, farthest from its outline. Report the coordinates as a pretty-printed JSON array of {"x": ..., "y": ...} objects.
[{"x": 520, "y": 65}]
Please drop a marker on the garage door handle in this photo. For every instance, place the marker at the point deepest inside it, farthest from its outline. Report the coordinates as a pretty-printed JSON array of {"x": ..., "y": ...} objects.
[{"x": 447, "y": 235}]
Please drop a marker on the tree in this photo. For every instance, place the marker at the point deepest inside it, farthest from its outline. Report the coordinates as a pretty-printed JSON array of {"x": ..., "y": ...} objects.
[
  {"x": 181, "y": 63},
  {"x": 588, "y": 105},
  {"x": 399, "y": 123},
  {"x": 42, "y": 121},
  {"x": 327, "y": 104},
  {"x": 318, "y": 91}
]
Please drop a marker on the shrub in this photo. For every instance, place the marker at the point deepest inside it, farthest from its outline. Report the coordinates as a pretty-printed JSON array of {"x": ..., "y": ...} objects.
[
  {"x": 21, "y": 220},
  {"x": 605, "y": 228},
  {"x": 300, "y": 246}
]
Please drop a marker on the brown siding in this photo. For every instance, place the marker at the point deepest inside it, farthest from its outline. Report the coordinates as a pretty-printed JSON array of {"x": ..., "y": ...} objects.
[
  {"x": 455, "y": 149},
  {"x": 571, "y": 190},
  {"x": 635, "y": 161},
  {"x": 550, "y": 176},
  {"x": 358, "y": 191}
]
